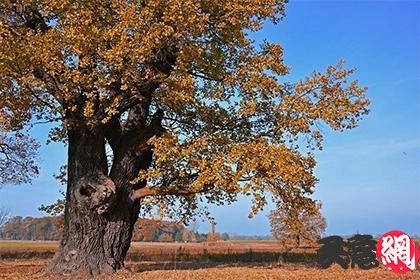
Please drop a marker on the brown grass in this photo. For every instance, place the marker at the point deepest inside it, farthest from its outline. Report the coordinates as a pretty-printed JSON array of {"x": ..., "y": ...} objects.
[
  {"x": 178, "y": 270},
  {"x": 154, "y": 251},
  {"x": 33, "y": 269}
]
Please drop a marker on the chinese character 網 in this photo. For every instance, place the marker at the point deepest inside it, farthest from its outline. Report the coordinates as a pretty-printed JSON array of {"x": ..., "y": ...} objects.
[{"x": 398, "y": 252}]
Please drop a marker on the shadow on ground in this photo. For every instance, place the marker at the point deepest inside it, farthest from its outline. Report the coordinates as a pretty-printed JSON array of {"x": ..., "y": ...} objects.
[{"x": 188, "y": 265}]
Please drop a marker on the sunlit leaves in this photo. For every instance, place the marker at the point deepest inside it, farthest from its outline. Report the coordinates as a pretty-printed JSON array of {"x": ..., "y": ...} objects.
[{"x": 230, "y": 124}]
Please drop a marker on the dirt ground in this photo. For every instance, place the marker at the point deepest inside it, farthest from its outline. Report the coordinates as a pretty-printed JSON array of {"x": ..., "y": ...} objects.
[
  {"x": 28, "y": 260},
  {"x": 33, "y": 269}
]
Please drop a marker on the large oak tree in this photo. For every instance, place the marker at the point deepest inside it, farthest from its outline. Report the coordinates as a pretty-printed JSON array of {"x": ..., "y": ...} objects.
[{"x": 162, "y": 105}]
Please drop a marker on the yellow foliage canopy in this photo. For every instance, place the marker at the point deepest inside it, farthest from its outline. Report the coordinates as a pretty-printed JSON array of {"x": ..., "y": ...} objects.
[{"x": 229, "y": 125}]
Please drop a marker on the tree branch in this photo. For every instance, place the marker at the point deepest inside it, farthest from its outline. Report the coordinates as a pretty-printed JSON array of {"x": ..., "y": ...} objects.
[
  {"x": 54, "y": 86},
  {"x": 137, "y": 115},
  {"x": 162, "y": 63},
  {"x": 147, "y": 191},
  {"x": 112, "y": 130}
]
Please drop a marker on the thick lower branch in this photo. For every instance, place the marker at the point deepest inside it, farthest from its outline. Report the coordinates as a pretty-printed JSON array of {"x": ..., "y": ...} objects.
[
  {"x": 140, "y": 193},
  {"x": 147, "y": 191}
]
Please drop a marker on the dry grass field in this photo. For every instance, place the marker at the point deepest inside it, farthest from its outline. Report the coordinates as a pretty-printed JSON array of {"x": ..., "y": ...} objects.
[{"x": 27, "y": 260}]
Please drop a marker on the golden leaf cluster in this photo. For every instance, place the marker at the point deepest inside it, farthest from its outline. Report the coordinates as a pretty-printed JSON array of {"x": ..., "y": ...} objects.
[{"x": 231, "y": 126}]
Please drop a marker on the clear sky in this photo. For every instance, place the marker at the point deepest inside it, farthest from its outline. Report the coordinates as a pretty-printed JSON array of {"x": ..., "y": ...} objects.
[{"x": 369, "y": 176}]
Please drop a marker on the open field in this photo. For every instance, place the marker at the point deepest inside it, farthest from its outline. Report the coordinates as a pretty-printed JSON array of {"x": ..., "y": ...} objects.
[
  {"x": 218, "y": 260},
  {"x": 241, "y": 251},
  {"x": 32, "y": 269}
]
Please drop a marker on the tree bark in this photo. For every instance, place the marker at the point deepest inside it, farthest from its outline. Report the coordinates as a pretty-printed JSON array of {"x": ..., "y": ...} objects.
[{"x": 99, "y": 214}]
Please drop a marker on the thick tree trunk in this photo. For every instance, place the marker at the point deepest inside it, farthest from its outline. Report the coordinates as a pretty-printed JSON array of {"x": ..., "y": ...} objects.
[{"x": 99, "y": 215}]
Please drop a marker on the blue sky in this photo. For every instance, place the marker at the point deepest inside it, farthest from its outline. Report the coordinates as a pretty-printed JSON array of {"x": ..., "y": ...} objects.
[{"x": 369, "y": 176}]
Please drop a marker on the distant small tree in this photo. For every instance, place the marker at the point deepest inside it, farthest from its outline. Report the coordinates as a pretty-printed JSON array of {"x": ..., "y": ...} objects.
[
  {"x": 4, "y": 216},
  {"x": 192, "y": 231},
  {"x": 225, "y": 236},
  {"x": 297, "y": 223},
  {"x": 11, "y": 229}
]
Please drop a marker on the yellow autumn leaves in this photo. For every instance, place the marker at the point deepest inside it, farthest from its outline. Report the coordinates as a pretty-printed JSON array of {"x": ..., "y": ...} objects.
[{"x": 231, "y": 125}]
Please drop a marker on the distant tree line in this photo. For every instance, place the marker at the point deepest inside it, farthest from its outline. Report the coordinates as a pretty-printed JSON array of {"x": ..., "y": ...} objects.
[
  {"x": 30, "y": 228},
  {"x": 161, "y": 231},
  {"x": 250, "y": 237},
  {"x": 149, "y": 230}
]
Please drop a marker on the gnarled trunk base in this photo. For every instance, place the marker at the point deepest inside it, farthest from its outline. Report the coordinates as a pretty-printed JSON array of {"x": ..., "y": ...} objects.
[
  {"x": 95, "y": 242},
  {"x": 99, "y": 214}
]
